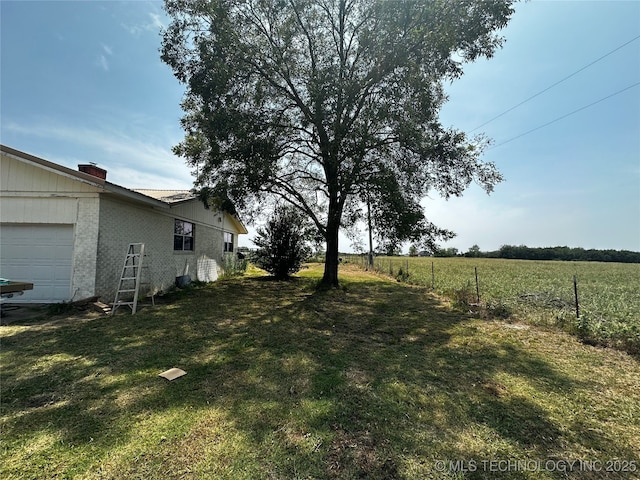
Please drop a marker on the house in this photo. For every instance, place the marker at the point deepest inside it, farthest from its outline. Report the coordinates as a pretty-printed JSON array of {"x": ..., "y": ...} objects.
[{"x": 68, "y": 231}]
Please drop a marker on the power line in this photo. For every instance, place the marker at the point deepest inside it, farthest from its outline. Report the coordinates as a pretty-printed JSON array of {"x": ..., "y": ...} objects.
[
  {"x": 565, "y": 116},
  {"x": 557, "y": 83}
]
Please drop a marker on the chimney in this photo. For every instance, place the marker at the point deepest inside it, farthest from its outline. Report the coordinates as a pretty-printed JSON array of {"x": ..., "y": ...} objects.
[{"x": 93, "y": 169}]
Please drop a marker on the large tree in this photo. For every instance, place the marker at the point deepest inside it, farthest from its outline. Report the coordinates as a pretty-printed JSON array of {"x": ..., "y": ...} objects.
[{"x": 331, "y": 105}]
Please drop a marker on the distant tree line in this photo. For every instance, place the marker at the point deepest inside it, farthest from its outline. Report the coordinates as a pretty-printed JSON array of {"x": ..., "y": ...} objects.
[{"x": 523, "y": 252}]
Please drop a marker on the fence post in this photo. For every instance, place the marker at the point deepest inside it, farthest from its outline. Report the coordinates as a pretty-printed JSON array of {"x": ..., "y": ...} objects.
[
  {"x": 477, "y": 286},
  {"x": 433, "y": 277},
  {"x": 575, "y": 292}
]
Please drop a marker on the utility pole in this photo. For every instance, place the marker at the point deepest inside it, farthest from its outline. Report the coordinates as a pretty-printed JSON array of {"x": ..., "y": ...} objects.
[{"x": 370, "y": 232}]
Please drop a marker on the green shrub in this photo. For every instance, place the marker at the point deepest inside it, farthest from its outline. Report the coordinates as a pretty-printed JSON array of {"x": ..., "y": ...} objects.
[
  {"x": 464, "y": 297},
  {"x": 283, "y": 243},
  {"x": 402, "y": 275},
  {"x": 233, "y": 266},
  {"x": 497, "y": 308}
]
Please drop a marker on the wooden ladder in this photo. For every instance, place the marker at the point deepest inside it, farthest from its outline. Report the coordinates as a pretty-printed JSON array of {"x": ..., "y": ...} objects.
[{"x": 129, "y": 283}]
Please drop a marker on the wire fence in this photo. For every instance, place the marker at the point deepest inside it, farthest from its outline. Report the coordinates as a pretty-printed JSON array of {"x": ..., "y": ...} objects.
[{"x": 598, "y": 301}]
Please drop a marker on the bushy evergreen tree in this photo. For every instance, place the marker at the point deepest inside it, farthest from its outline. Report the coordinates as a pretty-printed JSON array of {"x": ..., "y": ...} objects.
[{"x": 283, "y": 244}]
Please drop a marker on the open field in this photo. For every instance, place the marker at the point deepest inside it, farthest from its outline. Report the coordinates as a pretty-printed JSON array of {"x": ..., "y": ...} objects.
[
  {"x": 376, "y": 380},
  {"x": 539, "y": 292}
]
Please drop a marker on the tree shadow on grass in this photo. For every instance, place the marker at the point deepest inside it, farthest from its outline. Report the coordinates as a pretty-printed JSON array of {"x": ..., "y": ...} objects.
[{"x": 376, "y": 380}]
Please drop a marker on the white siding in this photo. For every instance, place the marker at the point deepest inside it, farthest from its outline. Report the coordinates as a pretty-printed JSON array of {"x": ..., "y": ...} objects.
[
  {"x": 33, "y": 195},
  {"x": 194, "y": 211},
  {"x": 18, "y": 176},
  {"x": 38, "y": 209}
]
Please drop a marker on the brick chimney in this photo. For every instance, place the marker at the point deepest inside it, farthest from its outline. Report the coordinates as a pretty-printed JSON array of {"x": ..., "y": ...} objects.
[{"x": 93, "y": 169}]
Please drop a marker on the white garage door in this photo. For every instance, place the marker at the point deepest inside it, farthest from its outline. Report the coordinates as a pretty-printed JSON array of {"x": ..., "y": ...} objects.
[{"x": 39, "y": 254}]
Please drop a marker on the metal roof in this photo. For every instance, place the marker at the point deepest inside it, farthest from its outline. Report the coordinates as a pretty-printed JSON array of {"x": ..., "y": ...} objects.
[{"x": 169, "y": 196}]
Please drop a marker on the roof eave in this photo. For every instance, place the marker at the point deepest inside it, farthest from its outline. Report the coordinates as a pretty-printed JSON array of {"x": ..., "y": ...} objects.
[
  {"x": 53, "y": 167},
  {"x": 132, "y": 195},
  {"x": 239, "y": 225}
]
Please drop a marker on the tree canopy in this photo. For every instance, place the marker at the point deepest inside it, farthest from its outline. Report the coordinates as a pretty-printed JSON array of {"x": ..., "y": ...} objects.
[{"x": 330, "y": 104}]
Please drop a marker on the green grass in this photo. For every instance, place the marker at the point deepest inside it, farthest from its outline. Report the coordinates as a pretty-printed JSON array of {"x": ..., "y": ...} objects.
[
  {"x": 375, "y": 380},
  {"x": 539, "y": 292}
]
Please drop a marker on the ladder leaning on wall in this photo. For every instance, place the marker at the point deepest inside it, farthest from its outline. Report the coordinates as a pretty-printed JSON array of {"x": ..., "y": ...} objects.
[{"x": 129, "y": 284}]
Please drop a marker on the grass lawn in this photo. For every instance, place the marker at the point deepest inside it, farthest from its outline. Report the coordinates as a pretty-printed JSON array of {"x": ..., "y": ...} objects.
[{"x": 375, "y": 380}]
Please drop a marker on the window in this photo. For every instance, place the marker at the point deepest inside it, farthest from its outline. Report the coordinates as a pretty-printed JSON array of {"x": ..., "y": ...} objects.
[
  {"x": 228, "y": 242},
  {"x": 183, "y": 236}
]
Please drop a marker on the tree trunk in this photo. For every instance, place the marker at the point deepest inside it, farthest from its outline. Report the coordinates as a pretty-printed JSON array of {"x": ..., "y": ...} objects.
[
  {"x": 334, "y": 215},
  {"x": 330, "y": 277}
]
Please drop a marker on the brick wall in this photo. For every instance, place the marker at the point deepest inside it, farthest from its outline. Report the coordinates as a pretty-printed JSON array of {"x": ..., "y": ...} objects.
[
  {"x": 85, "y": 241},
  {"x": 123, "y": 223}
]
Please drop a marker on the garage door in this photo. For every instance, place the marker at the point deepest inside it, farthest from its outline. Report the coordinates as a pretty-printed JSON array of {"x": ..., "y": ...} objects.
[{"x": 40, "y": 254}]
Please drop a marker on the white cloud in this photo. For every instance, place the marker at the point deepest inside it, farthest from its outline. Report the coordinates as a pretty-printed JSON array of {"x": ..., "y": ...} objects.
[
  {"x": 155, "y": 21},
  {"x": 102, "y": 62},
  {"x": 130, "y": 162},
  {"x": 107, "y": 49},
  {"x": 153, "y": 24}
]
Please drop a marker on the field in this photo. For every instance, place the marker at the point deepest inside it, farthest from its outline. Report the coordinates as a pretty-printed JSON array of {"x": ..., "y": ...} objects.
[
  {"x": 540, "y": 292},
  {"x": 378, "y": 380}
]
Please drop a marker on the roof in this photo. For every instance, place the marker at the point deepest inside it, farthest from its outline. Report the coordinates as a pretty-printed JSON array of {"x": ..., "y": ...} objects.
[
  {"x": 168, "y": 196},
  {"x": 156, "y": 198},
  {"x": 174, "y": 197},
  {"x": 50, "y": 166}
]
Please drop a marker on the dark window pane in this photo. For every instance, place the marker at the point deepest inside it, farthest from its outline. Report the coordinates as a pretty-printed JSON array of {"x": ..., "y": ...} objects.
[{"x": 183, "y": 235}]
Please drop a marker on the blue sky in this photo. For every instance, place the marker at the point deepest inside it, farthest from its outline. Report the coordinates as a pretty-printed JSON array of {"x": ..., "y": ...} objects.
[{"x": 82, "y": 81}]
